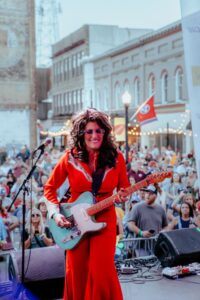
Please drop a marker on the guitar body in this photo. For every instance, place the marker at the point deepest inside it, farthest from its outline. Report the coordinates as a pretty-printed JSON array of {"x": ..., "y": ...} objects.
[
  {"x": 80, "y": 213},
  {"x": 76, "y": 212}
]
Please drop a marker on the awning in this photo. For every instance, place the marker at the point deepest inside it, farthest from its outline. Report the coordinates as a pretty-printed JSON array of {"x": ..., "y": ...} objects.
[
  {"x": 172, "y": 123},
  {"x": 189, "y": 125}
]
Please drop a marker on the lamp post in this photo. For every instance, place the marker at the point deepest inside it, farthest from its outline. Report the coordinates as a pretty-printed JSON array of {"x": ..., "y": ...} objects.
[
  {"x": 126, "y": 100},
  {"x": 167, "y": 134}
]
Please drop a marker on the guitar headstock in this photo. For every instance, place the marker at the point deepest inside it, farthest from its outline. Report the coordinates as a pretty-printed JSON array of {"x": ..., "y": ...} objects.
[{"x": 158, "y": 177}]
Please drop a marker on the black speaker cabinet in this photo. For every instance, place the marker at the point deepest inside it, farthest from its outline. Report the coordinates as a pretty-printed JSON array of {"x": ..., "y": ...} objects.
[
  {"x": 44, "y": 272},
  {"x": 178, "y": 247}
]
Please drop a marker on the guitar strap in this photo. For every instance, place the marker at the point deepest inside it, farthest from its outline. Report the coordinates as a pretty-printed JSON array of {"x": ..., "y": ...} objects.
[
  {"x": 66, "y": 196},
  {"x": 97, "y": 178}
]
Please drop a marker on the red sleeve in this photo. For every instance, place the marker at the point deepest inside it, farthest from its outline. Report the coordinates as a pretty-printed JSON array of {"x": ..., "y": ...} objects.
[
  {"x": 123, "y": 178},
  {"x": 56, "y": 179}
]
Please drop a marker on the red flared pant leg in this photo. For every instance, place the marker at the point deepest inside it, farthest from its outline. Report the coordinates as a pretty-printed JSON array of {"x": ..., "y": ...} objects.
[
  {"x": 103, "y": 283},
  {"x": 90, "y": 268},
  {"x": 76, "y": 271}
]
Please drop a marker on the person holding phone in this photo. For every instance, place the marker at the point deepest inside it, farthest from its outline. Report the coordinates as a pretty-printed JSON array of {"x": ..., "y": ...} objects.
[{"x": 147, "y": 218}]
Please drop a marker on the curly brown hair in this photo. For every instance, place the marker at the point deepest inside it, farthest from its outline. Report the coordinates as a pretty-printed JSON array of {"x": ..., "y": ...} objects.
[{"x": 108, "y": 151}]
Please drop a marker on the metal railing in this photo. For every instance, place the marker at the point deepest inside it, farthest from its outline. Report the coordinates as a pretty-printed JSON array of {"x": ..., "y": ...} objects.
[{"x": 136, "y": 247}]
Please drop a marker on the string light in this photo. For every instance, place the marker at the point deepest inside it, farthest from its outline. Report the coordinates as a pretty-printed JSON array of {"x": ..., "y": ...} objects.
[
  {"x": 62, "y": 131},
  {"x": 179, "y": 130}
]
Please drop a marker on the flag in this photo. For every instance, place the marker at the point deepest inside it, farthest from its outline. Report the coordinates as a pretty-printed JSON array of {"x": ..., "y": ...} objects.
[{"x": 146, "y": 112}]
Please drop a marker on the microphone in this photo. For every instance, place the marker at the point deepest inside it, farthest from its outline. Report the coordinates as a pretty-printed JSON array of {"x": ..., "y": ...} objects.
[{"x": 43, "y": 145}]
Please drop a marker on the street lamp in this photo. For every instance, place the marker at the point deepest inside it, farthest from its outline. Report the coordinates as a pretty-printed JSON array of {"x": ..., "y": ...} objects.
[{"x": 126, "y": 100}]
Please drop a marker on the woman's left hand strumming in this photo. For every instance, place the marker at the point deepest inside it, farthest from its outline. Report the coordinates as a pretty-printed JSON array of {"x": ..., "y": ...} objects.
[{"x": 122, "y": 196}]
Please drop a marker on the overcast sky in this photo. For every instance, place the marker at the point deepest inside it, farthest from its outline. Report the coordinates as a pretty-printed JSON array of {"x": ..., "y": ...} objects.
[{"x": 124, "y": 13}]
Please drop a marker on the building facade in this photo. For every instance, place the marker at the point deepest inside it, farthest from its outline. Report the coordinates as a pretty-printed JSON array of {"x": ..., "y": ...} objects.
[
  {"x": 72, "y": 78},
  {"x": 17, "y": 73},
  {"x": 150, "y": 64},
  {"x": 86, "y": 74}
]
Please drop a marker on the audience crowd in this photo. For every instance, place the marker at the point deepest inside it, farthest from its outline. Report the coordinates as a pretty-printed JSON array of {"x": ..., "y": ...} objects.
[{"x": 170, "y": 205}]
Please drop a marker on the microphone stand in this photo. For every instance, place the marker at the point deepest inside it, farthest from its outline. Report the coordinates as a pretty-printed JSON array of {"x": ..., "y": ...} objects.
[{"x": 25, "y": 189}]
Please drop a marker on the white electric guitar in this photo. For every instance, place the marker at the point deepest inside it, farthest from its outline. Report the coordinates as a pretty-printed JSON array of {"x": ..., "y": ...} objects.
[{"x": 81, "y": 213}]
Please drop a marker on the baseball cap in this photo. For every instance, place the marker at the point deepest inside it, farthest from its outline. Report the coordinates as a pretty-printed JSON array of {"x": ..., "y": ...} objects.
[
  {"x": 152, "y": 163},
  {"x": 169, "y": 166},
  {"x": 150, "y": 188},
  {"x": 135, "y": 199}
]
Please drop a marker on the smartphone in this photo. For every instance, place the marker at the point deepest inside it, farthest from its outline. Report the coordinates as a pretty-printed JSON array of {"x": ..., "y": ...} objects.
[{"x": 152, "y": 231}]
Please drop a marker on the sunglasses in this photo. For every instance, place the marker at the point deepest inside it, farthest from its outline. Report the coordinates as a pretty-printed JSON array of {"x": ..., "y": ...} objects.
[
  {"x": 91, "y": 131},
  {"x": 35, "y": 215}
]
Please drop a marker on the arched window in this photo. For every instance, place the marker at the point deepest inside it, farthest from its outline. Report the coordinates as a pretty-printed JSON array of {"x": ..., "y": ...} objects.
[
  {"x": 151, "y": 84},
  {"x": 98, "y": 99},
  {"x": 126, "y": 86},
  {"x": 105, "y": 98},
  {"x": 70, "y": 102},
  {"x": 179, "y": 84},
  {"x": 164, "y": 87},
  {"x": 117, "y": 93},
  {"x": 136, "y": 89}
]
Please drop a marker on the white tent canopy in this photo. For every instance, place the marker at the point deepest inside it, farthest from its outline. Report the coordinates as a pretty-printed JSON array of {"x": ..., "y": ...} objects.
[{"x": 176, "y": 122}]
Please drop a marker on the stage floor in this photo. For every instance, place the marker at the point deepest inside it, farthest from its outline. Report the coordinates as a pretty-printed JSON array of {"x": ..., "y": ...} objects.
[
  {"x": 147, "y": 283},
  {"x": 186, "y": 288}
]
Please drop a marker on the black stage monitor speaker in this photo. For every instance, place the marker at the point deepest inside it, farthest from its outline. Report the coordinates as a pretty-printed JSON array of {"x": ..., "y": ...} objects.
[
  {"x": 44, "y": 271},
  {"x": 178, "y": 247}
]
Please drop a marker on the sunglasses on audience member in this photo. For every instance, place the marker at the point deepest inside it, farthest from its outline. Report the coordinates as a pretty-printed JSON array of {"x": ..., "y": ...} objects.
[
  {"x": 91, "y": 131},
  {"x": 35, "y": 215}
]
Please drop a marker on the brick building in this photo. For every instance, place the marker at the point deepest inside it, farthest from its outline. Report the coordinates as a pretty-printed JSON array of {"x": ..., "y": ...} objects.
[{"x": 17, "y": 73}]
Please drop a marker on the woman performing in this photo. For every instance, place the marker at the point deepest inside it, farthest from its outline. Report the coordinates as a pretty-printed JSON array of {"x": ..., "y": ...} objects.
[{"x": 92, "y": 164}]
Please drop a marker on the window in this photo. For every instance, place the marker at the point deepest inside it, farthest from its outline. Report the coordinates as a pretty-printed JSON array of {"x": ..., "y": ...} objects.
[
  {"x": 81, "y": 66},
  {"x": 179, "y": 84},
  {"x": 69, "y": 66},
  {"x": 126, "y": 86},
  {"x": 79, "y": 99},
  {"x": 54, "y": 73},
  {"x": 136, "y": 89},
  {"x": 62, "y": 104},
  {"x": 117, "y": 99},
  {"x": 70, "y": 102},
  {"x": 59, "y": 104},
  {"x": 98, "y": 99},
  {"x": 164, "y": 87},
  {"x": 151, "y": 84},
  {"x": 61, "y": 70},
  {"x": 55, "y": 104},
  {"x": 105, "y": 99},
  {"x": 82, "y": 97},
  {"x": 65, "y": 102},
  {"x": 65, "y": 69},
  {"x": 73, "y": 65},
  {"x": 78, "y": 63}
]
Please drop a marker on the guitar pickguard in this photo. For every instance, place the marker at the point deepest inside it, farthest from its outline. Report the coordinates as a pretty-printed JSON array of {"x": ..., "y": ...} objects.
[{"x": 67, "y": 238}]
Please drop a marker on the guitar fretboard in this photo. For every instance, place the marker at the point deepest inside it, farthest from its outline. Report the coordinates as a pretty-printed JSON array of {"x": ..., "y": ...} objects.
[{"x": 110, "y": 200}]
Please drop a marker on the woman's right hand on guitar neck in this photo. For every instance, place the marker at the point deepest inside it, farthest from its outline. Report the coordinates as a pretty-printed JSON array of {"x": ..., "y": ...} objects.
[{"x": 61, "y": 221}]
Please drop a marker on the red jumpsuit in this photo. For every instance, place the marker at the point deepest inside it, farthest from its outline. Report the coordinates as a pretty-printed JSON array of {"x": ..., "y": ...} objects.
[{"x": 90, "y": 268}]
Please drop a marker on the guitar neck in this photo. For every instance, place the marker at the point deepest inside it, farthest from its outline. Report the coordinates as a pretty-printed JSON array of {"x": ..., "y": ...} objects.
[{"x": 110, "y": 200}]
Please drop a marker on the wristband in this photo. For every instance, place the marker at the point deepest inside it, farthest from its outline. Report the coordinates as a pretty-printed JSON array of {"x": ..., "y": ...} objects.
[{"x": 140, "y": 233}]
